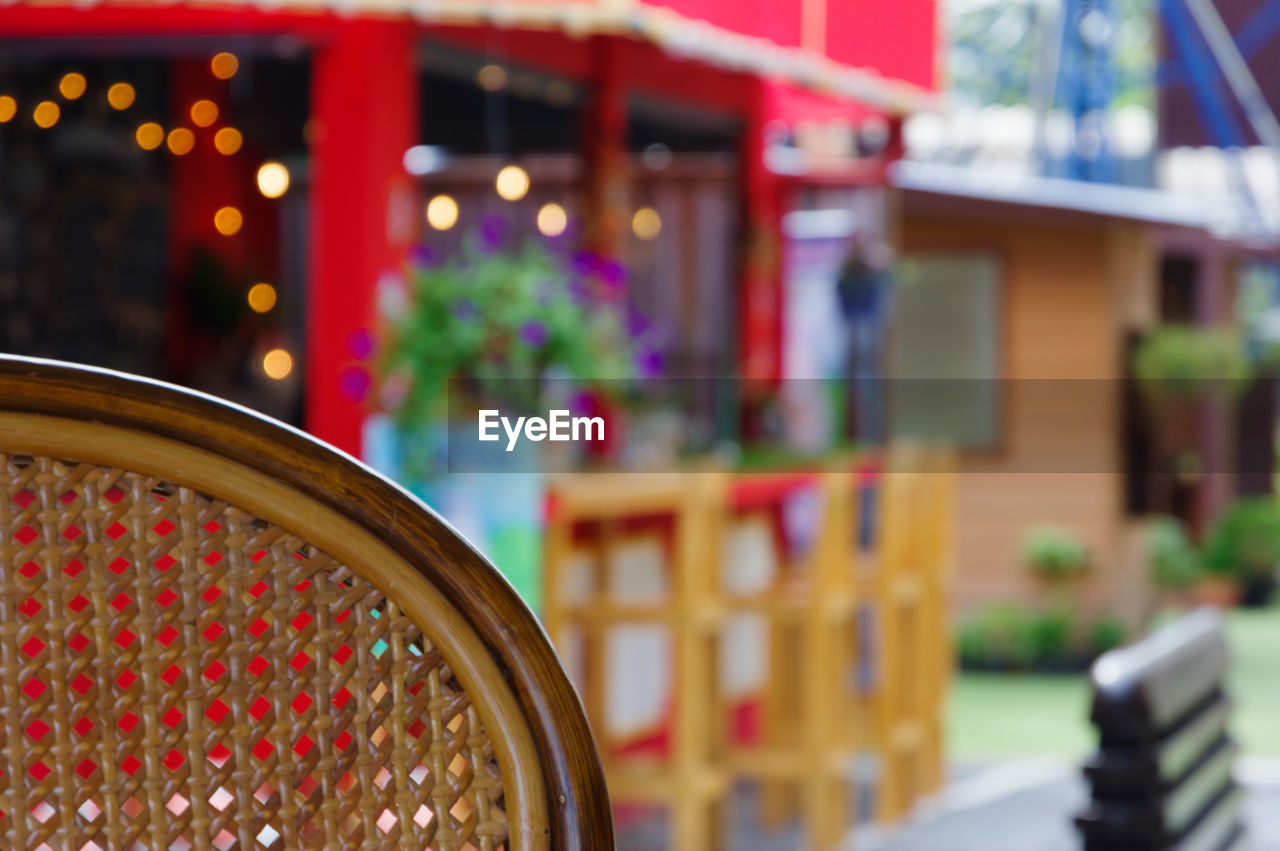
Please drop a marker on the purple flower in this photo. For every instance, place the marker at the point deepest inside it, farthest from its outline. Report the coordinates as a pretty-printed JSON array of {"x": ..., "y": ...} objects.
[
  {"x": 422, "y": 255},
  {"x": 585, "y": 262},
  {"x": 493, "y": 230},
  {"x": 648, "y": 363},
  {"x": 637, "y": 322},
  {"x": 612, "y": 274},
  {"x": 533, "y": 334},
  {"x": 361, "y": 343},
  {"x": 355, "y": 383}
]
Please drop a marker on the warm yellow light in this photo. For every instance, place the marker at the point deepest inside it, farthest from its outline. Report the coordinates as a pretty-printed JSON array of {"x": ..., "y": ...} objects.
[
  {"x": 227, "y": 220},
  {"x": 121, "y": 96},
  {"x": 646, "y": 223},
  {"x": 46, "y": 113},
  {"x": 262, "y": 297},
  {"x": 512, "y": 183},
  {"x": 72, "y": 85},
  {"x": 224, "y": 65},
  {"x": 277, "y": 364},
  {"x": 181, "y": 140},
  {"x": 492, "y": 78},
  {"x": 442, "y": 212},
  {"x": 204, "y": 113},
  {"x": 273, "y": 179},
  {"x": 227, "y": 140},
  {"x": 552, "y": 219},
  {"x": 150, "y": 136},
  {"x": 8, "y": 108}
]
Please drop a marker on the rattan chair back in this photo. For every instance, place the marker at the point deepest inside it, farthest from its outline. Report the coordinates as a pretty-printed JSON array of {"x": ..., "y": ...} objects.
[{"x": 218, "y": 633}]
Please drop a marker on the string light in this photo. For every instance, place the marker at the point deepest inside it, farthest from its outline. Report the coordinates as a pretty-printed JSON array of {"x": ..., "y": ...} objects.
[
  {"x": 149, "y": 136},
  {"x": 262, "y": 297},
  {"x": 121, "y": 96},
  {"x": 646, "y": 223},
  {"x": 277, "y": 364},
  {"x": 8, "y": 108},
  {"x": 204, "y": 113},
  {"x": 181, "y": 141},
  {"x": 224, "y": 65},
  {"x": 492, "y": 78},
  {"x": 512, "y": 183},
  {"x": 227, "y": 140},
  {"x": 228, "y": 221},
  {"x": 552, "y": 219},
  {"x": 46, "y": 114},
  {"x": 273, "y": 179},
  {"x": 72, "y": 85},
  {"x": 442, "y": 212}
]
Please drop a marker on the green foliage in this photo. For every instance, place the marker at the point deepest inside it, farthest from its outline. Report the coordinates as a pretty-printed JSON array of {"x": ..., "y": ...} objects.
[
  {"x": 488, "y": 316},
  {"x": 1245, "y": 541},
  {"x": 1175, "y": 562},
  {"x": 1055, "y": 553},
  {"x": 1108, "y": 634},
  {"x": 1183, "y": 362},
  {"x": 1051, "y": 633},
  {"x": 1008, "y": 636},
  {"x": 1000, "y": 635}
]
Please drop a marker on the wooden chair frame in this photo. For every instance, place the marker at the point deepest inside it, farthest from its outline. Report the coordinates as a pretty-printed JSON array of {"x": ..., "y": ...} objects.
[{"x": 554, "y": 786}]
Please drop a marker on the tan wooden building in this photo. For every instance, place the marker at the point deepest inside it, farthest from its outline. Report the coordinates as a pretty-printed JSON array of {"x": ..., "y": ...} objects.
[{"x": 1025, "y": 297}]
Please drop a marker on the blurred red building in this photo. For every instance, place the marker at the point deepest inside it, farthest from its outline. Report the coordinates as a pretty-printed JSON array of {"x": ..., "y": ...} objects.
[{"x": 722, "y": 115}]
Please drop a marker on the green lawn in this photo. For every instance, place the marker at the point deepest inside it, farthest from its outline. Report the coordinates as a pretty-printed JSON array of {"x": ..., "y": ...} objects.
[{"x": 1001, "y": 716}]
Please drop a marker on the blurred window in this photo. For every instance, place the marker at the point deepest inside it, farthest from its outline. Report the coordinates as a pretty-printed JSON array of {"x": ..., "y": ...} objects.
[{"x": 944, "y": 352}]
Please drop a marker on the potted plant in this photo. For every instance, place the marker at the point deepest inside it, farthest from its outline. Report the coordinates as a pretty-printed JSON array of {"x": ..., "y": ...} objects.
[
  {"x": 1055, "y": 555},
  {"x": 1244, "y": 548},
  {"x": 498, "y": 327},
  {"x": 1179, "y": 362}
]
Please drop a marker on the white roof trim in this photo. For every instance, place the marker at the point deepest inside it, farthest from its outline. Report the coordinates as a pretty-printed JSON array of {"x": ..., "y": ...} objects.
[{"x": 1155, "y": 206}]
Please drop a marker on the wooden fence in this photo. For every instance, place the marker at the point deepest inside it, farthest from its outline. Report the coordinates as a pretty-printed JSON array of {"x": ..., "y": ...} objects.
[{"x": 780, "y": 628}]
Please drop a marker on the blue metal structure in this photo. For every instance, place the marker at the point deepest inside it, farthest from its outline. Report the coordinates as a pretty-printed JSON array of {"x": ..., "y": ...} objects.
[{"x": 1086, "y": 85}]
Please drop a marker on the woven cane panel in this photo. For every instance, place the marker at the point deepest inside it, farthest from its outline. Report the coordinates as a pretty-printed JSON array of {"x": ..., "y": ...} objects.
[{"x": 179, "y": 674}]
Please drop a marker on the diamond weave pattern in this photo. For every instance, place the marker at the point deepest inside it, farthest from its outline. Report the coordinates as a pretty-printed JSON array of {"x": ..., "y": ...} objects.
[{"x": 179, "y": 674}]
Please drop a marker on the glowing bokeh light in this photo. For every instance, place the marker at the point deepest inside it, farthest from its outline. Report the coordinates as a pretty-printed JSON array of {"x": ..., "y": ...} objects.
[
  {"x": 46, "y": 114},
  {"x": 204, "y": 113},
  {"x": 442, "y": 212},
  {"x": 512, "y": 183},
  {"x": 492, "y": 78},
  {"x": 121, "y": 96},
  {"x": 149, "y": 136},
  {"x": 646, "y": 223},
  {"x": 224, "y": 65},
  {"x": 72, "y": 85},
  {"x": 8, "y": 108},
  {"x": 262, "y": 297},
  {"x": 181, "y": 141},
  {"x": 228, "y": 221},
  {"x": 273, "y": 179},
  {"x": 227, "y": 140},
  {"x": 277, "y": 364},
  {"x": 552, "y": 219}
]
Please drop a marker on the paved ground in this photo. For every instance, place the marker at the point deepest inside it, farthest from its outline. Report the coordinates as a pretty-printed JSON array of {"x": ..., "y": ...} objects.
[{"x": 1024, "y": 805}]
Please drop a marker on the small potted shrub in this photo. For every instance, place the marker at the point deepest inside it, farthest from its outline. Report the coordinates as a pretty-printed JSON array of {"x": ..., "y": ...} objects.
[
  {"x": 1055, "y": 555},
  {"x": 1243, "y": 551},
  {"x": 1178, "y": 362}
]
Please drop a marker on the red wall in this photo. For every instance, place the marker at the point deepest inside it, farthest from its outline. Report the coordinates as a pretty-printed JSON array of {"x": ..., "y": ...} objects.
[
  {"x": 898, "y": 38},
  {"x": 777, "y": 20}
]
